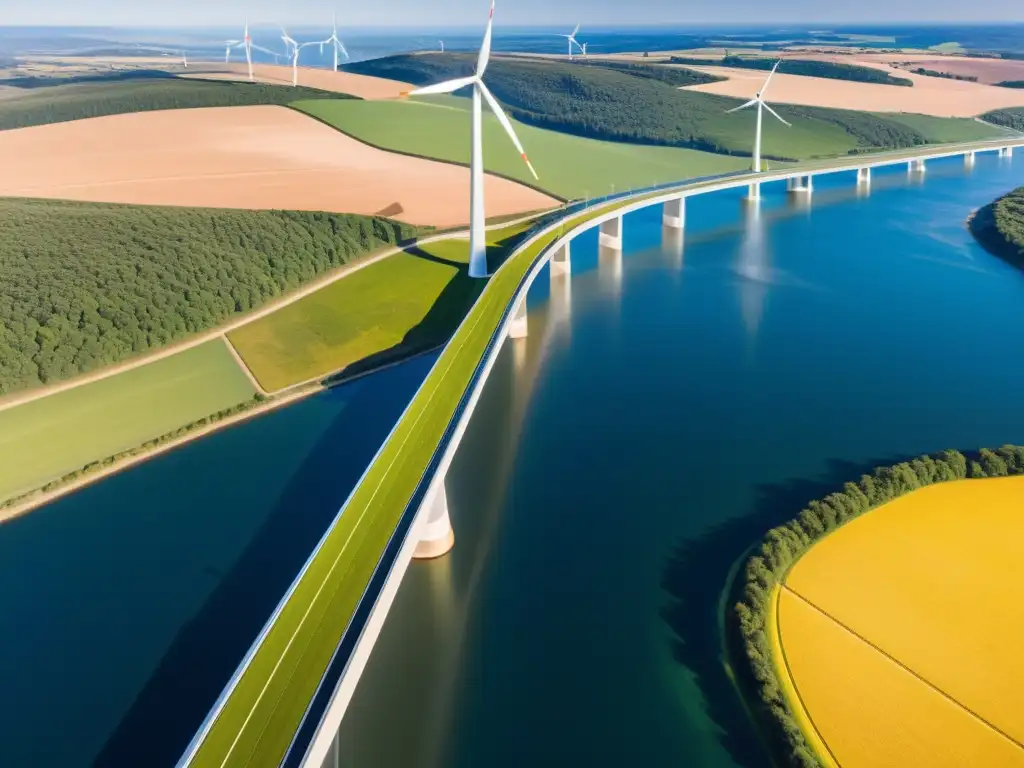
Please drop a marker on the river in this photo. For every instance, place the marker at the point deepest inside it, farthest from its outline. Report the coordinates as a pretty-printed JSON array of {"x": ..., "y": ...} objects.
[{"x": 667, "y": 407}]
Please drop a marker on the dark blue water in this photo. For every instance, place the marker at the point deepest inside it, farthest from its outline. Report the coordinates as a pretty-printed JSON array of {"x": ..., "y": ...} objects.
[
  {"x": 125, "y": 607},
  {"x": 667, "y": 408}
]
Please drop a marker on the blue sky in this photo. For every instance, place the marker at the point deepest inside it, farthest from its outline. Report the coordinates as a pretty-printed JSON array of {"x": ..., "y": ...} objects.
[{"x": 447, "y": 13}]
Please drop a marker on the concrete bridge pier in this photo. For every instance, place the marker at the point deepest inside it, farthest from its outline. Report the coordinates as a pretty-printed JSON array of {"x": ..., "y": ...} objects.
[
  {"x": 560, "y": 263},
  {"x": 863, "y": 177},
  {"x": 916, "y": 166},
  {"x": 969, "y": 158},
  {"x": 518, "y": 329},
  {"x": 754, "y": 191},
  {"x": 611, "y": 234},
  {"x": 674, "y": 215},
  {"x": 436, "y": 534},
  {"x": 1006, "y": 152},
  {"x": 802, "y": 184}
]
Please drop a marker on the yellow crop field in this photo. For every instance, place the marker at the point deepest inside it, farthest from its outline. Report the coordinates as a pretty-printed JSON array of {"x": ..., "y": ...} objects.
[
  {"x": 873, "y": 713},
  {"x": 932, "y": 580}
]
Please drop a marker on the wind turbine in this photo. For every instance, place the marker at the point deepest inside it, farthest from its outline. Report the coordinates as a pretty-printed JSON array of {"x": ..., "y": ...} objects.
[
  {"x": 334, "y": 41},
  {"x": 477, "y": 243},
  {"x": 246, "y": 44},
  {"x": 442, "y": 45},
  {"x": 572, "y": 40},
  {"x": 759, "y": 101}
]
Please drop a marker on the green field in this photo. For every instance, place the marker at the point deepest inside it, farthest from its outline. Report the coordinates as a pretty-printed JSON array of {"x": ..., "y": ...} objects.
[
  {"x": 568, "y": 166},
  {"x": 45, "y": 439},
  {"x": 388, "y": 310},
  {"x": 947, "y": 130},
  {"x": 642, "y": 105},
  {"x": 55, "y": 100},
  {"x": 92, "y": 284}
]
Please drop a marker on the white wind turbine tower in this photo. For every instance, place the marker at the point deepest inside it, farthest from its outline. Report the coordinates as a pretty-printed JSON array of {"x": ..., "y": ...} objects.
[
  {"x": 246, "y": 44},
  {"x": 572, "y": 40},
  {"x": 336, "y": 43},
  {"x": 759, "y": 101},
  {"x": 477, "y": 243},
  {"x": 442, "y": 45}
]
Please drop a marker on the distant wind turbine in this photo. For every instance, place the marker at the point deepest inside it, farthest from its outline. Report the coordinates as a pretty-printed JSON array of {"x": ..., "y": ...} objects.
[
  {"x": 442, "y": 45},
  {"x": 246, "y": 44},
  {"x": 293, "y": 47},
  {"x": 335, "y": 42},
  {"x": 477, "y": 243},
  {"x": 759, "y": 101},
  {"x": 572, "y": 40}
]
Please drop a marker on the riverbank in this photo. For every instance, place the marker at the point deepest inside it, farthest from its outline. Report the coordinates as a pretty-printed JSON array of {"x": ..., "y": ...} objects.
[
  {"x": 999, "y": 227},
  {"x": 757, "y": 613}
]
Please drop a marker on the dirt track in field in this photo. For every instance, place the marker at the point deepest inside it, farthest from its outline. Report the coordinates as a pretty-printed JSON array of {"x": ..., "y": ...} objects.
[{"x": 261, "y": 157}]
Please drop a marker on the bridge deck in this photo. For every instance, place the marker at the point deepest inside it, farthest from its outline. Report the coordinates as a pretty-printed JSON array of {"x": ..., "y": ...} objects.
[{"x": 260, "y": 711}]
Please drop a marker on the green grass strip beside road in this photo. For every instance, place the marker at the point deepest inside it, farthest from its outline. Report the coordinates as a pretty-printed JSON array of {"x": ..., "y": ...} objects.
[{"x": 261, "y": 715}]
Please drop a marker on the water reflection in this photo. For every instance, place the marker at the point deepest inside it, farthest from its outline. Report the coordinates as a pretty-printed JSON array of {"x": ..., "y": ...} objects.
[
  {"x": 754, "y": 269},
  {"x": 672, "y": 245},
  {"x": 609, "y": 262}
]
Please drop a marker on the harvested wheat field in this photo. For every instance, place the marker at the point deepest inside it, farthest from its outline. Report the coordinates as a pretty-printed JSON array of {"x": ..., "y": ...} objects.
[
  {"x": 986, "y": 70},
  {"x": 363, "y": 86},
  {"x": 935, "y": 96},
  {"x": 260, "y": 158},
  {"x": 871, "y": 712},
  {"x": 908, "y": 622}
]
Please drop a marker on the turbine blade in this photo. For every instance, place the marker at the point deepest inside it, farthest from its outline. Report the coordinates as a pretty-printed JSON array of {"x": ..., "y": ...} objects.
[
  {"x": 769, "y": 79},
  {"x": 485, "y": 48},
  {"x": 775, "y": 113},
  {"x": 446, "y": 87},
  {"x": 496, "y": 109},
  {"x": 575, "y": 30},
  {"x": 750, "y": 103}
]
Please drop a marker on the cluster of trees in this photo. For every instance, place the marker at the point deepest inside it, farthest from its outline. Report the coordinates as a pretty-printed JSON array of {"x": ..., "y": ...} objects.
[
  {"x": 87, "y": 285},
  {"x": 1011, "y": 117},
  {"x": 784, "y": 545},
  {"x": 677, "y": 77},
  {"x": 629, "y": 103},
  {"x": 1011, "y": 84},
  {"x": 806, "y": 67},
  {"x": 999, "y": 226},
  {"x": 947, "y": 75},
  {"x": 59, "y": 101}
]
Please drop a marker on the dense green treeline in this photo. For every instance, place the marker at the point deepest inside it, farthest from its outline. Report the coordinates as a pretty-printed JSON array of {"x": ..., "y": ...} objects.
[
  {"x": 783, "y": 546},
  {"x": 1011, "y": 83},
  {"x": 1011, "y": 117},
  {"x": 806, "y": 67},
  {"x": 618, "y": 104},
  {"x": 674, "y": 76},
  {"x": 947, "y": 75},
  {"x": 59, "y": 103},
  {"x": 999, "y": 226},
  {"x": 87, "y": 285}
]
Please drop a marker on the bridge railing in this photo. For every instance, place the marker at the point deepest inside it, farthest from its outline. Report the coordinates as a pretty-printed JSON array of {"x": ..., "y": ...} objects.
[{"x": 273, "y": 705}]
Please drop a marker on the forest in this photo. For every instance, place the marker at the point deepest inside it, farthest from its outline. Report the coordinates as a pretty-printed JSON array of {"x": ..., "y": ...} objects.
[
  {"x": 1011, "y": 117},
  {"x": 1011, "y": 84},
  {"x": 90, "y": 284},
  {"x": 947, "y": 75},
  {"x": 806, "y": 67},
  {"x": 784, "y": 545},
  {"x": 628, "y": 104},
  {"x": 999, "y": 226},
  {"x": 61, "y": 101}
]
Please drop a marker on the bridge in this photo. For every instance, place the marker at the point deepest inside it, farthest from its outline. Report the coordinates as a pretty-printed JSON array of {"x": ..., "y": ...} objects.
[{"x": 286, "y": 700}]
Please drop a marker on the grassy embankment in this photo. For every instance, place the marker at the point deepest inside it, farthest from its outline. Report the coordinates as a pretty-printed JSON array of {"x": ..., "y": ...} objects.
[
  {"x": 389, "y": 310},
  {"x": 46, "y": 100},
  {"x": 805, "y": 67},
  {"x": 999, "y": 226},
  {"x": 767, "y": 572},
  {"x": 56, "y": 437},
  {"x": 631, "y": 107}
]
